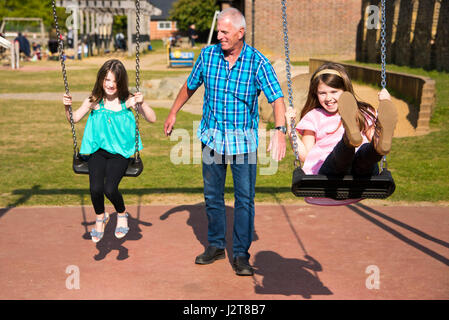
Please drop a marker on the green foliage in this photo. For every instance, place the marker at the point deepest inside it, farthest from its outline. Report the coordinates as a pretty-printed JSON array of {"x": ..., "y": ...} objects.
[
  {"x": 199, "y": 12},
  {"x": 120, "y": 24},
  {"x": 32, "y": 9}
]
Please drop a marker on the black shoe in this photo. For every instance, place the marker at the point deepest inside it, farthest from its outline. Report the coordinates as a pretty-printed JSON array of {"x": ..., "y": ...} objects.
[
  {"x": 210, "y": 255},
  {"x": 242, "y": 267}
]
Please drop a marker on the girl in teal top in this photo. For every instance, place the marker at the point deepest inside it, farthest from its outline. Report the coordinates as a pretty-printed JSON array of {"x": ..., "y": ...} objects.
[
  {"x": 110, "y": 131},
  {"x": 109, "y": 140}
]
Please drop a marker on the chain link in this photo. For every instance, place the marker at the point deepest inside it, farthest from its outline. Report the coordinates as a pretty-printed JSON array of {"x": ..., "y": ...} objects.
[
  {"x": 137, "y": 71},
  {"x": 383, "y": 83},
  {"x": 382, "y": 47},
  {"x": 64, "y": 73},
  {"x": 289, "y": 80}
]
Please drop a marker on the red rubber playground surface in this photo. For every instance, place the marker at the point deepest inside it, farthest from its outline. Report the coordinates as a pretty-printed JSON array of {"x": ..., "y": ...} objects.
[{"x": 299, "y": 252}]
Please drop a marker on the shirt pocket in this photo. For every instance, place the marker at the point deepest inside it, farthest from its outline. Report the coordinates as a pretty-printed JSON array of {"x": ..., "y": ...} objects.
[{"x": 245, "y": 92}]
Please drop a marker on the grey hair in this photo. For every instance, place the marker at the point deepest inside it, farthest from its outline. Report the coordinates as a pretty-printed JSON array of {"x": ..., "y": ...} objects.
[{"x": 235, "y": 16}]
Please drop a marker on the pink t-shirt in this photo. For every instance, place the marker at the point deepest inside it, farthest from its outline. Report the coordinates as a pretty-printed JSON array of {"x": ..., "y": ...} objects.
[{"x": 328, "y": 132}]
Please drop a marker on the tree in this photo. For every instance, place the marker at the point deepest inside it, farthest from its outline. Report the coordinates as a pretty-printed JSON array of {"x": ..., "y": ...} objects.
[
  {"x": 32, "y": 9},
  {"x": 198, "y": 12}
]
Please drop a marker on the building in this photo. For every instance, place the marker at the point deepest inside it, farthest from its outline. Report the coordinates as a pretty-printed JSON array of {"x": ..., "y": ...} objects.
[
  {"x": 319, "y": 28},
  {"x": 160, "y": 25},
  {"x": 416, "y": 30}
]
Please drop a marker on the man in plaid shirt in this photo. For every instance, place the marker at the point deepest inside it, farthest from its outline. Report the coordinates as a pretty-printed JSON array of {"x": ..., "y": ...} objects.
[{"x": 233, "y": 74}]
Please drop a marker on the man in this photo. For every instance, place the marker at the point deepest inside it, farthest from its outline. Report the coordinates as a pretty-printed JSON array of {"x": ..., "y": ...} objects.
[
  {"x": 193, "y": 35},
  {"x": 233, "y": 74}
]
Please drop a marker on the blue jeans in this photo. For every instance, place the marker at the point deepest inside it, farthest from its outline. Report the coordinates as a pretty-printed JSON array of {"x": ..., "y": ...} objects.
[{"x": 244, "y": 170}]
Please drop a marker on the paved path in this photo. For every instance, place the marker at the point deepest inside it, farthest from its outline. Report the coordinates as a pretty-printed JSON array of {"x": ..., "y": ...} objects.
[{"x": 300, "y": 252}]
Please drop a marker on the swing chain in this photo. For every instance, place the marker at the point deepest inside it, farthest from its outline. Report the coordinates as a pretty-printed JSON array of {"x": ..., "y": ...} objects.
[
  {"x": 289, "y": 81},
  {"x": 137, "y": 71},
  {"x": 383, "y": 48},
  {"x": 64, "y": 73},
  {"x": 383, "y": 162}
]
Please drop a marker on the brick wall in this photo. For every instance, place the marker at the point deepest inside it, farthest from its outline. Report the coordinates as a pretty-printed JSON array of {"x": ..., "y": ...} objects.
[
  {"x": 157, "y": 34},
  {"x": 318, "y": 28}
]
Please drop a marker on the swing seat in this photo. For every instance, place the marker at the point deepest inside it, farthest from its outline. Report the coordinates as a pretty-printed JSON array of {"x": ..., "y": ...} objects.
[
  {"x": 81, "y": 166},
  {"x": 342, "y": 187}
]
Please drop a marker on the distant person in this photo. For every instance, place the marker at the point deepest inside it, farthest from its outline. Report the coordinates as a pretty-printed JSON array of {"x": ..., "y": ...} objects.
[
  {"x": 36, "y": 51},
  {"x": 120, "y": 42},
  {"x": 193, "y": 35},
  {"x": 24, "y": 44},
  {"x": 80, "y": 51},
  {"x": 53, "y": 42},
  {"x": 70, "y": 38}
]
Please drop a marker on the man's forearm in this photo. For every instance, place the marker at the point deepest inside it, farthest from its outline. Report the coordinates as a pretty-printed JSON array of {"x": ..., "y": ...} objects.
[
  {"x": 279, "y": 112},
  {"x": 183, "y": 96}
]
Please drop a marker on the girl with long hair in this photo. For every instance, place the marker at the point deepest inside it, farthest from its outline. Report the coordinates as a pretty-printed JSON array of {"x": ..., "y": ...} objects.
[
  {"x": 339, "y": 134},
  {"x": 109, "y": 140}
]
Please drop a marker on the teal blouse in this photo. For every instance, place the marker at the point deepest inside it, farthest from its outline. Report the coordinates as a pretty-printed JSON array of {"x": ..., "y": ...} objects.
[{"x": 113, "y": 131}]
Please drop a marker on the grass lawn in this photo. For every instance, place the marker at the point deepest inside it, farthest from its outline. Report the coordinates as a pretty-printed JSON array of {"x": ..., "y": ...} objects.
[{"x": 36, "y": 152}]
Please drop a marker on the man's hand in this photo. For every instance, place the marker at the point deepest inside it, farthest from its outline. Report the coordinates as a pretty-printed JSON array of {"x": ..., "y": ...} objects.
[
  {"x": 277, "y": 146},
  {"x": 169, "y": 123}
]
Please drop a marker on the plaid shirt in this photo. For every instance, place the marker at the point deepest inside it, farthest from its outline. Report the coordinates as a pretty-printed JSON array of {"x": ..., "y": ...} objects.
[{"x": 230, "y": 120}]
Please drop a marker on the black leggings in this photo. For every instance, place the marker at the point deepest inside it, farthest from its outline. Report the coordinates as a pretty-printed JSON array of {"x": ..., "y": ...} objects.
[
  {"x": 344, "y": 160},
  {"x": 106, "y": 170}
]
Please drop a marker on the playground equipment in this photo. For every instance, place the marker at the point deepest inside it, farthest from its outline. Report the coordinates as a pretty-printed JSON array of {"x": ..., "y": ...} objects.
[
  {"x": 94, "y": 19},
  {"x": 33, "y": 27},
  {"x": 14, "y": 49},
  {"x": 177, "y": 58}
]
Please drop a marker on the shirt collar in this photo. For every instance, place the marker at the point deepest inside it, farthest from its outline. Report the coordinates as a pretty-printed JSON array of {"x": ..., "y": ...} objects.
[{"x": 242, "y": 52}]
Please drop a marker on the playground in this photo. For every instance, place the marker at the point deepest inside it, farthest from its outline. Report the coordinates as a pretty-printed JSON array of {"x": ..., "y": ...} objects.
[
  {"x": 377, "y": 249},
  {"x": 323, "y": 251}
]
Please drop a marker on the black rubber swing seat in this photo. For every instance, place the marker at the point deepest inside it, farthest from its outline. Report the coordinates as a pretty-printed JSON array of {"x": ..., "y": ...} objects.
[
  {"x": 81, "y": 166},
  {"x": 342, "y": 187}
]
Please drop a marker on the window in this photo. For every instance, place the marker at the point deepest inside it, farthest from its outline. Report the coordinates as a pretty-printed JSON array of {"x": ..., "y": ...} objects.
[{"x": 164, "y": 25}]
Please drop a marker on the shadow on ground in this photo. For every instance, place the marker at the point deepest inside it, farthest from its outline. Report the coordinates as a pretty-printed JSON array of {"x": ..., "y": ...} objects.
[
  {"x": 288, "y": 276},
  {"x": 197, "y": 220},
  {"x": 109, "y": 242}
]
